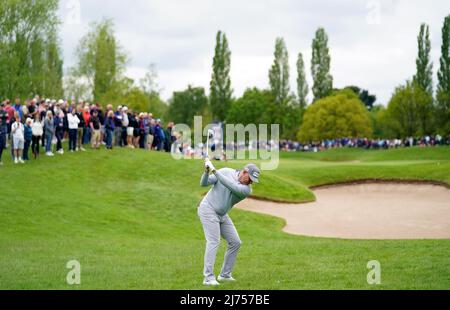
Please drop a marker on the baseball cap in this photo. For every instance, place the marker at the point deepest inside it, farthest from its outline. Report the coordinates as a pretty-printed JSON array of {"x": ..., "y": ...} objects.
[{"x": 253, "y": 172}]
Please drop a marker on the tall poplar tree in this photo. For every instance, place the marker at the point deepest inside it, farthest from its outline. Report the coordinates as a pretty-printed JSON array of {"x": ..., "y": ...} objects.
[
  {"x": 220, "y": 86},
  {"x": 279, "y": 73},
  {"x": 320, "y": 66}
]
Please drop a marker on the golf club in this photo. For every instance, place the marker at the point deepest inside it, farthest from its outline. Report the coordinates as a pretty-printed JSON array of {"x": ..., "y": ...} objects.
[{"x": 210, "y": 136}]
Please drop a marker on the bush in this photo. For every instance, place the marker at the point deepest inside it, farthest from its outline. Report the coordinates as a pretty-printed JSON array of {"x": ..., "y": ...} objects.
[{"x": 340, "y": 115}]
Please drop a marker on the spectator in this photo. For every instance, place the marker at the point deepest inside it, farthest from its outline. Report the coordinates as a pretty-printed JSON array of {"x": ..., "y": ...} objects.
[
  {"x": 130, "y": 128},
  {"x": 141, "y": 130},
  {"x": 17, "y": 130},
  {"x": 159, "y": 136},
  {"x": 18, "y": 108},
  {"x": 125, "y": 124},
  {"x": 87, "y": 128},
  {"x": 109, "y": 129},
  {"x": 2, "y": 137},
  {"x": 95, "y": 126},
  {"x": 59, "y": 126},
  {"x": 151, "y": 133},
  {"x": 37, "y": 130},
  {"x": 28, "y": 133},
  {"x": 49, "y": 125},
  {"x": 73, "y": 122},
  {"x": 169, "y": 137},
  {"x": 3, "y": 122},
  {"x": 134, "y": 123},
  {"x": 80, "y": 130},
  {"x": 118, "y": 126}
]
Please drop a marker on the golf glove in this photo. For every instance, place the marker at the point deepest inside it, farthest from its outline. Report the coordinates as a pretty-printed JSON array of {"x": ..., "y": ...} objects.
[{"x": 209, "y": 165}]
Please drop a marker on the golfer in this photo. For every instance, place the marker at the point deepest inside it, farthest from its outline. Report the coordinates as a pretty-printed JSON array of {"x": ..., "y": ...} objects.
[{"x": 229, "y": 187}]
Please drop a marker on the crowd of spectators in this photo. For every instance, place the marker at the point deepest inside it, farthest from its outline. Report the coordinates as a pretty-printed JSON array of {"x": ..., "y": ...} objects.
[{"x": 24, "y": 128}]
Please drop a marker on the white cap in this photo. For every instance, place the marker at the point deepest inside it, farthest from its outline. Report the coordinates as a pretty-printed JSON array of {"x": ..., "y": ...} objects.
[{"x": 60, "y": 101}]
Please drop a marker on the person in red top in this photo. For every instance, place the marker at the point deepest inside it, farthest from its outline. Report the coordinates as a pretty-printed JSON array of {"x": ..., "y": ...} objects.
[{"x": 87, "y": 127}]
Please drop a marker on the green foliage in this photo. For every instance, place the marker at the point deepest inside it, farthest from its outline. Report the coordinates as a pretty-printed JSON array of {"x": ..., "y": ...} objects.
[
  {"x": 259, "y": 107},
  {"x": 30, "y": 56},
  {"x": 381, "y": 123},
  {"x": 443, "y": 88},
  {"x": 254, "y": 107},
  {"x": 220, "y": 86},
  {"x": 101, "y": 60},
  {"x": 411, "y": 111},
  {"x": 320, "y": 66},
  {"x": 124, "y": 92},
  {"x": 339, "y": 115},
  {"x": 279, "y": 73},
  {"x": 424, "y": 73},
  {"x": 364, "y": 95},
  {"x": 302, "y": 84},
  {"x": 186, "y": 104}
]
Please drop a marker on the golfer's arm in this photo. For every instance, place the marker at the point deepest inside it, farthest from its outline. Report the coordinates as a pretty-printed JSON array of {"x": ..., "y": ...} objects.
[
  {"x": 207, "y": 180},
  {"x": 239, "y": 190}
]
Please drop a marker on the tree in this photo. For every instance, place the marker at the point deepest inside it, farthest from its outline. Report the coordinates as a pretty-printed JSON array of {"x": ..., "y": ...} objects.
[
  {"x": 424, "y": 73},
  {"x": 339, "y": 115},
  {"x": 186, "y": 104},
  {"x": 53, "y": 85},
  {"x": 302, "y": 84},
  {"x": 149, "y": 83},
  {"x": 220, "y": 86},
  {"x": 101, "y": 60},
  {"x": 411, "y": 110},
  {"x": 279, "y": 73},
  {"x": 29, "y": 46},
  {"x": 364, "y": 95},
  {"x": 252, "y": 108},
  {"x": 443, "y": 88},
  {"x": 320, "y": 66},
  {"x": 124, "y": 92}
]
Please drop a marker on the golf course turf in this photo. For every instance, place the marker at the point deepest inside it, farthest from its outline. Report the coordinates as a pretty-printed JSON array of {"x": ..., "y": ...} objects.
[{"x": 129, "y": 217}]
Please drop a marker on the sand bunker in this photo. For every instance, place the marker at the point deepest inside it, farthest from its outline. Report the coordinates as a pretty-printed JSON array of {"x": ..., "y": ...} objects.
[{"x": 366, "y": 211}]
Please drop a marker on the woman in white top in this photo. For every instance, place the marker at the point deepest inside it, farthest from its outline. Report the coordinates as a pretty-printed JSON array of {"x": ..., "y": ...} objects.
[
  {"x": 38, "y": 130},
  {"x": 73, "y": 121},
  {"x": 17, "y": 131}
]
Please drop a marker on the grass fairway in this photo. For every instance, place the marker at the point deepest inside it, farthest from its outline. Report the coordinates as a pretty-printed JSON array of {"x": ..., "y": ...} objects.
[{"x": 129, "y": 217}]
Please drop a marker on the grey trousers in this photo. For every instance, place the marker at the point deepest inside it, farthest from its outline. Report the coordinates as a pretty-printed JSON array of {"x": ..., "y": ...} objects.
[{"x": 214, "y": 226}]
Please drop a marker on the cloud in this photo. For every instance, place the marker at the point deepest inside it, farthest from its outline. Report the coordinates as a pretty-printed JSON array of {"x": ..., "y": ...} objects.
[{"x": 372, "y": 43}]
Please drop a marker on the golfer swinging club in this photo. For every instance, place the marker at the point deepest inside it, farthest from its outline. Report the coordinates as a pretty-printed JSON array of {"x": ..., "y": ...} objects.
[{"x": 229, "y": 187}]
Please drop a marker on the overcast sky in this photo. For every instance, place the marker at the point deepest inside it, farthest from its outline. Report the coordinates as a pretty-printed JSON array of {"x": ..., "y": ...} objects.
[{"x": 373, "y": 44}]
